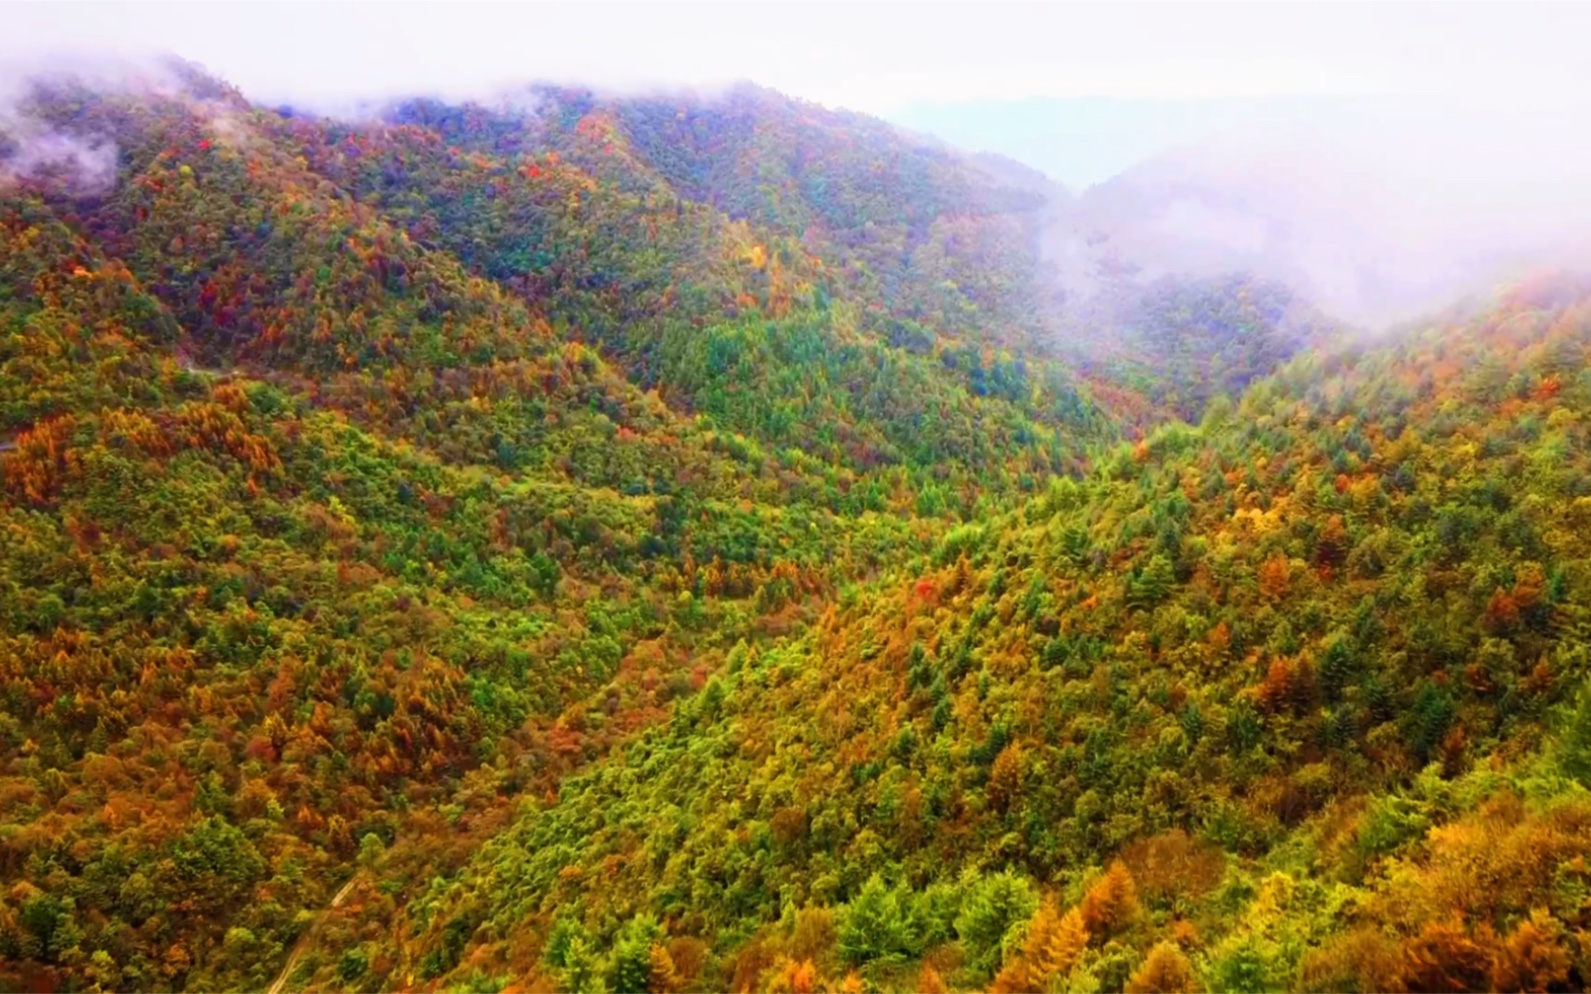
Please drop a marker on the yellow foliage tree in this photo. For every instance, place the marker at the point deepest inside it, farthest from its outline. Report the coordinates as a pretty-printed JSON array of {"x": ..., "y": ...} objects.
[
  {"x": 1111, "y": 903},
  {"x": 662, "y": 977},
  {"x": 1443, "y": 957},
  {"x": 1532, "y": 958},
  {"x": 1164, "y": 971},
  {"x": 789, "y": 976},
  {"x": 929, "y": 981},
  {"x": 1053, "y": 943},
  {"x": 1005, "y": 777}
]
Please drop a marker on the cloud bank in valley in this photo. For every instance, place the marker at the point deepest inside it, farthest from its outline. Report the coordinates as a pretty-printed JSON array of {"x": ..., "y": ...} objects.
[{"x": 1379, "y": 210}]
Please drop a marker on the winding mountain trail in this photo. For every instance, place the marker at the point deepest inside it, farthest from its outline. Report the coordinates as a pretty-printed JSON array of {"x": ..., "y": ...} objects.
[{"x": 304, "y": 940}]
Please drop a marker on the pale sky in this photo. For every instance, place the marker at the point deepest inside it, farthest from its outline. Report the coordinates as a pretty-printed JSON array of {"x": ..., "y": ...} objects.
[
  {"x": 878, "y": 58},
  {"x": 1485, "y": 157}
]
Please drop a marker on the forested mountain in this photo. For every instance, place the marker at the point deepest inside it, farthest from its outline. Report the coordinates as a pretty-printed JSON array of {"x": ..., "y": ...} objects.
[
  {"x": 684, "y": 543},
  {"x": 1169, "y": 347},
  {"x": 346, "y": 465},
  {"x": 1261, "y": 704}
]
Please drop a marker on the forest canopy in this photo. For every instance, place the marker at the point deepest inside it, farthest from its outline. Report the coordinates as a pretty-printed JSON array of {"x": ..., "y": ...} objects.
[{"x": 666, "y": 544}]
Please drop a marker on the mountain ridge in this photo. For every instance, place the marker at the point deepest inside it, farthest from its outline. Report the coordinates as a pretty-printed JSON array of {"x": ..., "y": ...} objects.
[{"x": 673, "y": 544}]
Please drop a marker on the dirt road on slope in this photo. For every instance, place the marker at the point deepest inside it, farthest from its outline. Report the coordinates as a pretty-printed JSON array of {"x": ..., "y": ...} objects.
[{"x": 309, "y": 936}]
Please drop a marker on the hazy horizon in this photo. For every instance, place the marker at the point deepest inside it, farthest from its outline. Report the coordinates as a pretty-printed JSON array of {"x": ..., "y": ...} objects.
[
  {"x": 1199, "y": 134},
  {"x": 867, "y": 57},
  {"x": 1080, "y": 91}
]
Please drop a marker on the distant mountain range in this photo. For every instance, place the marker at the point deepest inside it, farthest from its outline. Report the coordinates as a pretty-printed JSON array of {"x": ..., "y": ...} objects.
[{"x": 1376, "y": 209}]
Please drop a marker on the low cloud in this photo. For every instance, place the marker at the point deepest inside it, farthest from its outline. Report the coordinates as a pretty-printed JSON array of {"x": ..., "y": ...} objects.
[
  {"x": 59, "y": 155},
  {"x": 1394, "y": 208},
  {"x": 73, "y": 156},
  {"x": 30, "y": 150}
]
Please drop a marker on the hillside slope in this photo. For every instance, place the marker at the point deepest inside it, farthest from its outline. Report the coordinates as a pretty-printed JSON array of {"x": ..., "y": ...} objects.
[
  {"x": 1265, "y": 704},
  {"x": 659, "y": 544},
  {"x": 333, "y": 523}
]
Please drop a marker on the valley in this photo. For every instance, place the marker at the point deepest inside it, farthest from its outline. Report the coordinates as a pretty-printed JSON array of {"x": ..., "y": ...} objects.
[{"x": 674, "y": 543}]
